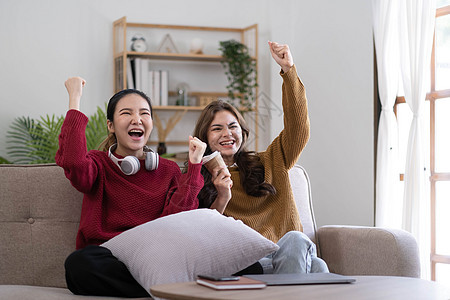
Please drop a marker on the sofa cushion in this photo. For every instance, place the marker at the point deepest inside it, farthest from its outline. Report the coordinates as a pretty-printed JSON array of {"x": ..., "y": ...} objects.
[
  {"x": 25, "y": 292},
  {"x": 178, "y": 247}
]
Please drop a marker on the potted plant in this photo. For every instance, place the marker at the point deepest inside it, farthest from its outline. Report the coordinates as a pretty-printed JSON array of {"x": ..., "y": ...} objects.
[
  {"x": 36, "y": 141},
  {"x": 241, "y": 73},
  {"x": 4, "y": 160}
]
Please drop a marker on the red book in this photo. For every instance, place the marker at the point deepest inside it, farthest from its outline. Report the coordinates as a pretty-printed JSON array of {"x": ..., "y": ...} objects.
[{"x": 242, "y": 283}]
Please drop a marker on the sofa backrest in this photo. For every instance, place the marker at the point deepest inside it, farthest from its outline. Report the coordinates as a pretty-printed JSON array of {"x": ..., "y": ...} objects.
[{"x": 39, "y": 218}]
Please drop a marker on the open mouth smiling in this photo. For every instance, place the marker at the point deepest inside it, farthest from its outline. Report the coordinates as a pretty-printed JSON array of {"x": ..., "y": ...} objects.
[
  {"x": 227, "y": 143},
  {"x": 136, "y": 133}
]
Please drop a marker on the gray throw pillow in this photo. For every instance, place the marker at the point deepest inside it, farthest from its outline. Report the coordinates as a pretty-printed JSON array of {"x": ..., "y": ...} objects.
[{"x": 178, "y": 247}]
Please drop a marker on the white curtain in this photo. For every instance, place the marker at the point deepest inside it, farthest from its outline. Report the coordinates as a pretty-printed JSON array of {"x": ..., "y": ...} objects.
[
  {"x": 388, "y": 200},
  {"x": 416, "y": 38}
]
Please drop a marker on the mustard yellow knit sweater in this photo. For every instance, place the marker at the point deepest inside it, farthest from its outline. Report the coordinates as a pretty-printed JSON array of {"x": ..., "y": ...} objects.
[{"x": 274, "y": 215}]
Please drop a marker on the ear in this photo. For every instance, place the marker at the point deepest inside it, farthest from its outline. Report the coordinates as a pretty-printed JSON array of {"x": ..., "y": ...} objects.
[{"x": 110, "y": 126}]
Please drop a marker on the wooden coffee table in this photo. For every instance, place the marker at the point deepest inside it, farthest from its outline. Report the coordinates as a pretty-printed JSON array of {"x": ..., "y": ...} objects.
[{"x": 365, "y": 287}]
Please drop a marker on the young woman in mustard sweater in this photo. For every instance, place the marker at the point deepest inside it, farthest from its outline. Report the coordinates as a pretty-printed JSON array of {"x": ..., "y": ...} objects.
[{"x": 255, "y": 187}]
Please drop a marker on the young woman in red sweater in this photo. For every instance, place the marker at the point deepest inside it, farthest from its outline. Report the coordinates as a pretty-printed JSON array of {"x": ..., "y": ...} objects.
[{"x": 124, "y": 185}]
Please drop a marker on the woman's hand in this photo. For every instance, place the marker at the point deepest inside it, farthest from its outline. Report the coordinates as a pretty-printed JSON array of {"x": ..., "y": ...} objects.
[
  {"x": 196, "y": 150},
  {"x": 221, "y": 178},
  {"x": 74, "y": 86},
  {"x": 282, "y": 55}
]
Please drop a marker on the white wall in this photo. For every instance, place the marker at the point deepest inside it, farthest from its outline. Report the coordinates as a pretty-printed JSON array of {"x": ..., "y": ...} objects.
[
  {"x": 335, "y": 57},
  {"x": 44, "y": 42},
  {"x": 340, "y": 154},
  {"x": 332, "y": 47}
]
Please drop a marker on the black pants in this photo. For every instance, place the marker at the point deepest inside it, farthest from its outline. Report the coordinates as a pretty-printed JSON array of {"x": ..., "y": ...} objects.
[
  {"x": 95, "y": 271},
  {"x": 256, "y": 268}
]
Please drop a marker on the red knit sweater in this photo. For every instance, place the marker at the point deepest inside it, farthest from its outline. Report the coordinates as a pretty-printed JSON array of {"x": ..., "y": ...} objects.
[{"x": 114, "y": 202}]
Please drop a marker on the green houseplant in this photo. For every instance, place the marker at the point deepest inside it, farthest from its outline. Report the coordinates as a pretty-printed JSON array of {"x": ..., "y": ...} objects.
[
  {"x": 241, "y": 73},
  {"x": 4, "y": 160},
  {"x": 33, "y": 141},
  {"x": 36, "y": 141}
]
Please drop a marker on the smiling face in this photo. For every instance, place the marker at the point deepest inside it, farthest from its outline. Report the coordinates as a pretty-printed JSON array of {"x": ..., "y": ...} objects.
[
  {"x": 225, "y": 135},
  {"x": 132, "y": 125}
]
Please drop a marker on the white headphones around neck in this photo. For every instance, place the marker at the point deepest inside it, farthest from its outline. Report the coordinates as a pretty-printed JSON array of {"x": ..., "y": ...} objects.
[{"x": 130, "y": 164}]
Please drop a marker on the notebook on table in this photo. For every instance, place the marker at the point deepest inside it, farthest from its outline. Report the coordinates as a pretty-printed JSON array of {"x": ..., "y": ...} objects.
[
  {"x": 243, "y": 283},
  {"x": 309, "y": 278}
]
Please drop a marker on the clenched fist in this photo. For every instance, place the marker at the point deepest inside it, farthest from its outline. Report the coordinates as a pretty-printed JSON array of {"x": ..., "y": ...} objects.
[
  {"x": 74, "y": 86},
  {"x": 282, "y": 55},
  {"x": 196, "y": 150}
]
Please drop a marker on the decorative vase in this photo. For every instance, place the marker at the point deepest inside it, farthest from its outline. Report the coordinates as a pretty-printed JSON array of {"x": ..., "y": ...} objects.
[
  {"x": 162, "y": 149},
  {"x": 182, "y": 91}
]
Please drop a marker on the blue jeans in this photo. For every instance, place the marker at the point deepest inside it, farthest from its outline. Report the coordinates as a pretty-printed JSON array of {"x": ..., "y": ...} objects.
[{"x": 297, "y": 254}]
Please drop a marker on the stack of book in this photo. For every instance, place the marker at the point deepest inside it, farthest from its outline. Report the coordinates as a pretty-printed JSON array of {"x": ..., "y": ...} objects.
[{"x": 154, "y": 83}]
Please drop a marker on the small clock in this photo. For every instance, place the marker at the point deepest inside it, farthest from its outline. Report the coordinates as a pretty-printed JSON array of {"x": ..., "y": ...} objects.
[{"x": 138, "y": 43}]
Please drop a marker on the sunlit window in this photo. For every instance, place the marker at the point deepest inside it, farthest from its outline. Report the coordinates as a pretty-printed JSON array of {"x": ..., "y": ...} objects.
[
  {"x": 442, "y": 219},
  {"x": 442, "y": 53},
  {"x": 442, "y": 142},
  {"x": 436, "y": 140}
]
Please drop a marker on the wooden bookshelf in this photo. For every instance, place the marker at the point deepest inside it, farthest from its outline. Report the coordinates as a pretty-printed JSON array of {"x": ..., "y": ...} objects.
[{"x": 122, "y": 53}]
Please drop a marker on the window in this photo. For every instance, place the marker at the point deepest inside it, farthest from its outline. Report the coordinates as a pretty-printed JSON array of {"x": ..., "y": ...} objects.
[{"x": 437, "y": 143}]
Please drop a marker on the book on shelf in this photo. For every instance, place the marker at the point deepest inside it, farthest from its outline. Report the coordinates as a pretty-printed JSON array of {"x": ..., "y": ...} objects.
[
  {"x": 157, "y": 87},
  {"x": 130, "y": 79},
  {"x": 138, "y": 73},
  {"x": 151, "y": 83},
  {"x": 144, "y": 77},
  {"x": 118, "y": 65},
  {"x": 243, "y": 283},
  {"x": 164, "y": 88}
]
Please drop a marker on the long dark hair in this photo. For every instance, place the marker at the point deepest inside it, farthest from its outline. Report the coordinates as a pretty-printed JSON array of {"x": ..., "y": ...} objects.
[
  {"x": 111, "y": 138},
  {"x": 250, "y": 167}
]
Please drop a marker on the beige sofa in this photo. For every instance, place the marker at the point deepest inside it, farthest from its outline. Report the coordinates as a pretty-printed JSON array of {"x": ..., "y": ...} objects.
[{"x": 40, "y": 210}]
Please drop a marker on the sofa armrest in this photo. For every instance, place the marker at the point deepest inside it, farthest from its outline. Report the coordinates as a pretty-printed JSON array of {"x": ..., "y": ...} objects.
[{"x": 355, "y": 250}]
